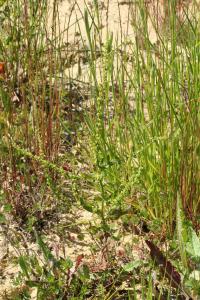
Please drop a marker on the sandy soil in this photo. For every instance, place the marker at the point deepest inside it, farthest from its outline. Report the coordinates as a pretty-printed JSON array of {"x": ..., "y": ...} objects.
[
  {"x": 116, "y": 16},
  {"x": 65, "y": 246},
  {"x": 111, "y": 12}
]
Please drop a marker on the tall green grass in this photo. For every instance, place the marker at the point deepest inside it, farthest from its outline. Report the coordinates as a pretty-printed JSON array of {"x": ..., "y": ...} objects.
[
  {"x": 31, "y": 97},
  {"x": 149, "y": 153}
]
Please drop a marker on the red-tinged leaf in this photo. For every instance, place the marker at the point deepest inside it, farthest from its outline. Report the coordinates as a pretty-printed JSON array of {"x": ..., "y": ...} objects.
[
  {"x": 166, "y": 266},
  {"x": 78, "y": 261},
  {"x": 67, "y": 168},
  {"x": 2, "y": 67}
]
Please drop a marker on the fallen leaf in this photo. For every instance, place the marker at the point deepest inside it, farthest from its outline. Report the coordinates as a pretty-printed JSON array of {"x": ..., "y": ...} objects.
[
  {"x": 2, "y": 68},
  {"x": 168, "y": 269}
]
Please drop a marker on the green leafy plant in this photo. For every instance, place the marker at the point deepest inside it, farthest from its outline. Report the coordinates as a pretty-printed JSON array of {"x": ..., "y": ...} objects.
[{"x": 52, "y": 277}]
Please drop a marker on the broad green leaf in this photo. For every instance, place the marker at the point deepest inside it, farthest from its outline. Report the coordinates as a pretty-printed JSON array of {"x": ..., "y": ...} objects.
[
  {"x": 193, "y": 245},
  {"x": 132, "y": 265},
  {"x": 195, "y": 275}
]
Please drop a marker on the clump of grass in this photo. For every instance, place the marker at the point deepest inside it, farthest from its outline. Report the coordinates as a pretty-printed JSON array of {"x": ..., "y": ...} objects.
[
  {"x": 143, "y": 158},
  {"x": 159, "y": 138},
  {"x": 31, "y": 98}
]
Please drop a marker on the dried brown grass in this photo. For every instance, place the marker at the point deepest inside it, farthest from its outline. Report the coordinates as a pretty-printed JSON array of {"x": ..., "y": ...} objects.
[{"x": 160, "y": 9}]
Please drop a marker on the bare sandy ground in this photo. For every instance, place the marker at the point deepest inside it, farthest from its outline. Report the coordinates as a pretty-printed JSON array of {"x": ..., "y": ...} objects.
[{"x": 115, "y": 17}]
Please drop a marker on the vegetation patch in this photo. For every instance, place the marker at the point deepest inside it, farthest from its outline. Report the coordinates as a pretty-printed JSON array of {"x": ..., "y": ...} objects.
[{"x": 99, "y": 149}]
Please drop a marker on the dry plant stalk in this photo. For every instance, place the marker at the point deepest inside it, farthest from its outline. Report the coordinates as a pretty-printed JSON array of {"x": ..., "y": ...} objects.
[{"x": 160, "y": 10}]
